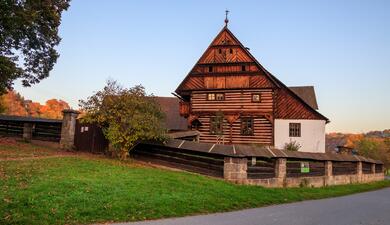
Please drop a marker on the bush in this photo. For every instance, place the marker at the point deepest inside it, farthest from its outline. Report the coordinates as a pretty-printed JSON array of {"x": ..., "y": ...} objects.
[
  {"x": 292, "y": 146},
  {"x": 126, "y": 116}
]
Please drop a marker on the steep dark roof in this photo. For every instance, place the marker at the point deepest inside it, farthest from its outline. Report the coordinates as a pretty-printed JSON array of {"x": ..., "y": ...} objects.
[
  {"x": 170, "y": 106},
  {"x": 256, "y": 151},
  {"x": 307, "y": 94}
]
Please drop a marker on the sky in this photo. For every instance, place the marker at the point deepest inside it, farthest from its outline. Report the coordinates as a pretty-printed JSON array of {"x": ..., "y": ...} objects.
[{"x": 340, "y": 47}]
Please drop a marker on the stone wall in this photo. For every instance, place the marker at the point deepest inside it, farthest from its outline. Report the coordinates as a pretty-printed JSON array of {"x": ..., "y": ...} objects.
[{"x": 235, "y": 171}]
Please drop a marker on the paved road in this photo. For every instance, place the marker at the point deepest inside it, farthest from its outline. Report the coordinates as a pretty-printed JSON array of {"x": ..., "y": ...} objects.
[{"x": 370, "y": 208}]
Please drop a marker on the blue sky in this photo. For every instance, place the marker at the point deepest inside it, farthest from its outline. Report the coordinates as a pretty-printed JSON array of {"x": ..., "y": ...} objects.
[{"x": 340, "y": 47}]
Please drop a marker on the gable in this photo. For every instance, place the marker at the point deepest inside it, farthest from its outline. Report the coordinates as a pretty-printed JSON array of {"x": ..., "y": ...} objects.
[{"x": 225, "y": 64}]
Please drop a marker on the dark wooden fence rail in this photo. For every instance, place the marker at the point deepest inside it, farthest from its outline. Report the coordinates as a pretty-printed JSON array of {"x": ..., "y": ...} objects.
[
  {"x": 261, "y": 168},
  {"x": 47, "y": 131},
  {"x": 366, "y": 167},
  {"x": 203, "y": 163},
  {"x": 11, "y": 128},
  {"x": 42, "y": 129},
  {"x": 378, "y": 168},
  {"x": 344, "y": 168},
  {"x": 293, "y": 169}
]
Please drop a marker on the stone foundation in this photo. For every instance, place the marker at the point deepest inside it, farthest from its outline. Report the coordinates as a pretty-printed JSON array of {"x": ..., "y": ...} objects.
[{"x": 235, "y": 171}]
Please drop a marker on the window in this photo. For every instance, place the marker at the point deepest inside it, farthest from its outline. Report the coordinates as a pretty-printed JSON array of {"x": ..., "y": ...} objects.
[
  {"x": 231, "y": 51},
  {"x": 216, "y": 125},
  {"x": 295, "y": 130},
  {"x": 220, "y": 51},
  {"x": 246, "y": 126},
  {"x": 215, "y": 96},
  {"x": 219, "y": 97},
  {"x": 211, "y": 96},
  {"x": 210, "y": 69},
  {"x": 256, "y": 98},
  {"x": 243, "y": 68}
]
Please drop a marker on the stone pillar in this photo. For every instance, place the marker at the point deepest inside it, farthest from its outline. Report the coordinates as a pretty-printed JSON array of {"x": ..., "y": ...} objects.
[
  {"x": 281, "y": 171},
  {"x": 359, "y": 171},
  {"x": 68, "y": 128},
  {"x": 373, "y": 168},
  {"x": 234, "y": 169},
  {"x": 328, "y": 173},
  {"x": 328, "y": 168},
  {"x": 27, "y": 131}
]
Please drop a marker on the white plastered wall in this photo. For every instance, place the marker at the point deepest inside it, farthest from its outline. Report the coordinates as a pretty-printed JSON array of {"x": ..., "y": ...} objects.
[{"x": 312, "y": 137}]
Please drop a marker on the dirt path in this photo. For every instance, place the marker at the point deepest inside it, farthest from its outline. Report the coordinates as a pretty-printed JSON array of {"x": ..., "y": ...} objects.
[{"x": 38, "y": 157}]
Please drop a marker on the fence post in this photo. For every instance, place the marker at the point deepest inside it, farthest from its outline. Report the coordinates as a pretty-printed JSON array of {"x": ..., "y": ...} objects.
[
  {"x": 27, "y": 131},
  {"x": 68, "y": 128},
  {"x": 328, "y": 172},
  {"x": 373, "y": 168},
  {"x": 234, "y": 169},
  {"x": 359, "y": 171},
  {"x": 281, "y": 170}
]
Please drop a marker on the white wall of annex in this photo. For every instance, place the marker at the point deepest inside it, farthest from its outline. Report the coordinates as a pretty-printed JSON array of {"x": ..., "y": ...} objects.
[{"x": 312, "y": 134}]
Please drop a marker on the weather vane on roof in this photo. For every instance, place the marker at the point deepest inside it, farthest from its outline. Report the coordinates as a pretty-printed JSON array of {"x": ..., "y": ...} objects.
[{"x": 226, "y": 17}]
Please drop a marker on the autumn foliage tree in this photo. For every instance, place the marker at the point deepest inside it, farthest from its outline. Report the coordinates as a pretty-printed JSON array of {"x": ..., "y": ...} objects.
[
  {"x": 126, "y": 115},
  {"x": 375, "y": 148},
  {"x": 13, "y": 103}
]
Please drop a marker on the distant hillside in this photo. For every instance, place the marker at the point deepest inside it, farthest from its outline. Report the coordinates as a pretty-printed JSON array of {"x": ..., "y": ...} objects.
[
  {"x": 349, "y": 140},
  {"x": 12, "y": 103}
]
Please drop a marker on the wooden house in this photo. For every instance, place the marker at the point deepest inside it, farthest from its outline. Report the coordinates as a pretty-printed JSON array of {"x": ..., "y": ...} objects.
[{"x": 230, "y": 98}]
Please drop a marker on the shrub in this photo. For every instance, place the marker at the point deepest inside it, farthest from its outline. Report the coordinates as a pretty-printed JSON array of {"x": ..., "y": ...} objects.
[
  {"x": 126, "y": 116},
  {"x": 292, "y": 146}
]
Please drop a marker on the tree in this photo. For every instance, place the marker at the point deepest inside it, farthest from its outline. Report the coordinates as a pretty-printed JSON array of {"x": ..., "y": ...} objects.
[
  {"x": 53, "y": 109},
  {"x": 126, "y": 116},
  {"x": 14, "y": 104},
  {"x": 28, "y": 35},
  {"x": 378, "y": 149}
]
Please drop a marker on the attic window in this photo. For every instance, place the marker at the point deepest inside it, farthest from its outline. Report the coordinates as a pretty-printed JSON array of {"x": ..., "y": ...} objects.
[
  {"x": 243, "y": 68},
  {"x": 210, "y": 69},
  {"x": 231, "y": 51},
  {"x": 220, "y": 51},
  {"x": 256, "y": 98}
]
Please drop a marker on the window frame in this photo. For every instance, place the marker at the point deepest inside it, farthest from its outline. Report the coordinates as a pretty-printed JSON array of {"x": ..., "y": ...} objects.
[
  {"x": 253, "y": 94},
  {"x": 215, "y": 96},
  {"x": 216, "y": 127},
  {"x": 244, "y": 123},
  {"x": 294, "y": 129},
  {"x": 208, "y": 96}
]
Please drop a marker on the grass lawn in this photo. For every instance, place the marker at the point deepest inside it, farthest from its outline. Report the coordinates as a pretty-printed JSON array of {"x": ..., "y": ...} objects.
[{"x": 79, "y": 190}]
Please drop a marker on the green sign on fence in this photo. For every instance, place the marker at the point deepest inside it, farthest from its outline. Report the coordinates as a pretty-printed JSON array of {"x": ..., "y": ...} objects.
[{"x": 305, "y": 168}]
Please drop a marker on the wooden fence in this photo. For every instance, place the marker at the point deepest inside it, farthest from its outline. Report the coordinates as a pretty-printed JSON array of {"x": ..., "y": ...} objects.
[
  {"x": 260, "y": 168},
  {"x": 203, "y": 163},
  {"x": 305, "y": 168},
  {"x": 366, "y": 168},
  {"x": 344, "y": 168},
  {"x": 11, "y": 128},
  {"x": 42, "y": 129}
]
